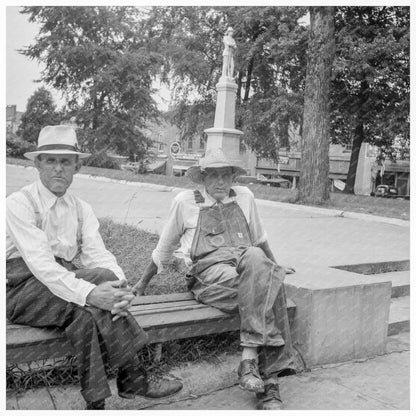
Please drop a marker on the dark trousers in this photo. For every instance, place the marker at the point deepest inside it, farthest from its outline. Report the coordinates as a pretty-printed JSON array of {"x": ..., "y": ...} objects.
[
  {"x": 96, "y": 339},
  {"x": 253, "y": 287}
]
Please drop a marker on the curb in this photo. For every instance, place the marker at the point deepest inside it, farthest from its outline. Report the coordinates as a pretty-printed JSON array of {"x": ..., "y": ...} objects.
[
  {"x": 334, "y": 212},
  {"x": 285, "y": 205}
]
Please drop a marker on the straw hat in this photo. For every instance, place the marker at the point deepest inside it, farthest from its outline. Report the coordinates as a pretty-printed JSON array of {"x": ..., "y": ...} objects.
[
  {"x": 214, "y": 159},
  {"x": 57, "y": 140}
]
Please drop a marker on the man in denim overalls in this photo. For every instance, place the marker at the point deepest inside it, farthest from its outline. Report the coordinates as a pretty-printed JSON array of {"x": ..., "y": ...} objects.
[{"x": 232, "y": 267}]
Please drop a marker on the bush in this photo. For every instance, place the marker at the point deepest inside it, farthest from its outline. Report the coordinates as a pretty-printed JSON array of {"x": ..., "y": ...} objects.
[
  {"x": 16, "y": 147},
  {"x": 102, "y": 160}
]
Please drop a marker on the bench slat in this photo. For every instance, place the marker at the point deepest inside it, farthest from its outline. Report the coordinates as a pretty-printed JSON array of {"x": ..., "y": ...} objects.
[
  {"x": 161, "y": 306},
  {"x": 171, "y": 297},
  {"x": 164, "y": 318}
]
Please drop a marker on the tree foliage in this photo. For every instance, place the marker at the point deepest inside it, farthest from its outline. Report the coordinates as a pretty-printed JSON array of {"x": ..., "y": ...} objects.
[
  {"x": 269, "y": 65},
  {"x": 40, "y": 112},
  {"x": 104, "y": 59},
  {"x": 99, "y": 60},
  {"x": 370, "y": 90}
]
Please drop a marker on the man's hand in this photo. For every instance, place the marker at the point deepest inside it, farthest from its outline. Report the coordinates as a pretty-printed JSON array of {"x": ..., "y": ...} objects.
[
  {"x": 107, "y": 294},
  {"x": 139, "y": 288}
]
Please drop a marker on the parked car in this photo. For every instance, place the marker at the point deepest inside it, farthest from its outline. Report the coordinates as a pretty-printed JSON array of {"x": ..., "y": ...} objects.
[
  {"x": 246, "y": 179},
  {"x": 279, "y": 182},
  {"x": 386, "y": 191}
]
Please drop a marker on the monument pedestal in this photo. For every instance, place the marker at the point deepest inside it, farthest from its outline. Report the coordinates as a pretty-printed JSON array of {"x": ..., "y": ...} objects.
[
  {"x": 224, "y": 134},
  {"x": 227, "y": 139}
]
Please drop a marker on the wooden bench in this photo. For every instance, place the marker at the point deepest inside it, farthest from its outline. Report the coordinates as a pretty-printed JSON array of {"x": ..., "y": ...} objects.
[{"x": 163, "y": 317}]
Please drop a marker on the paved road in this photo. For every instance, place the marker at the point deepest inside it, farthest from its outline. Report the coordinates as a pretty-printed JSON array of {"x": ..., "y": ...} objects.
[{"x": 299, "y": 236}]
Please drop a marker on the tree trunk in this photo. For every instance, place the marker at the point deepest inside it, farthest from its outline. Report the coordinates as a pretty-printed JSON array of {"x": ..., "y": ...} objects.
[
  {"x": 248, "y": 82},
  {"x": 314, "y": 170},
  {"x": 355, "y": 152},
  {"x": 356, "y": 141}
]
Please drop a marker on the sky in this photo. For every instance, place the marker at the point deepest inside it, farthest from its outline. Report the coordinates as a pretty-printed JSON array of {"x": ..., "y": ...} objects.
[{"x": 22, "y": 73}]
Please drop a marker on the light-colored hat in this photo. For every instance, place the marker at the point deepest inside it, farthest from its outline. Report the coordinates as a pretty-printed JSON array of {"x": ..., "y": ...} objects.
[
  {"x": 214, "y": 159},
  {"x": 58, "y": 140}
]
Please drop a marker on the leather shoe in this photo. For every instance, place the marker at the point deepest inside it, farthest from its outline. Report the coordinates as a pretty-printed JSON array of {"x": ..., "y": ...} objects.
[
  {"x": 249, "y": 376},
  {"x": 97, "y": 405},
  {"x": 159, "y": 385},
  {"x": 133, "y": 381},
  {"x": 270, "y": 398}
]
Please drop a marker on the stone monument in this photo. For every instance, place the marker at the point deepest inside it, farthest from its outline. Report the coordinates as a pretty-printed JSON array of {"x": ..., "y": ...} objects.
[{"x": 224, "y": 134}]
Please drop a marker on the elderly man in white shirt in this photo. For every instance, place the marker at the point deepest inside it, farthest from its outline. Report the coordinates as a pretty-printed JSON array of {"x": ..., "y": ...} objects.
[
  {"x": 231, "y": 267},
  {"x": 46, "y": 227}
]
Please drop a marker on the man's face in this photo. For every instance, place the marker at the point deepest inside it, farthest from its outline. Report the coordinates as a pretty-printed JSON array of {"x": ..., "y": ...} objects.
[
  {"x": 217, "y": 182},
  {"x": 57, "y": 171}
]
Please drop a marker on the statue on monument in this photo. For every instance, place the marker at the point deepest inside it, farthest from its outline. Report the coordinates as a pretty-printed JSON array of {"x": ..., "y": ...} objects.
[{"x": 228, "y": 54}]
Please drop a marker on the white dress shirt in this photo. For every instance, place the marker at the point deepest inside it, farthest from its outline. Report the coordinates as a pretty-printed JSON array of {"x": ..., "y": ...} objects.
[
  {"x": 180, "y": 226},
  {"x": 57, "y": 237}
]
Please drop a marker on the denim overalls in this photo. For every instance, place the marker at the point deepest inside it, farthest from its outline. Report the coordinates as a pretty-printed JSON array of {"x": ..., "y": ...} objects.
[{"x": 231, "y": 274}]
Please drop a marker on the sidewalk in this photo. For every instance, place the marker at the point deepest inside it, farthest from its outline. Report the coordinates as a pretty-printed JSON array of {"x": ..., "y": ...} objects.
[
  {"x": 302, "y": 237},
  {"x": 378, "y": 383}
]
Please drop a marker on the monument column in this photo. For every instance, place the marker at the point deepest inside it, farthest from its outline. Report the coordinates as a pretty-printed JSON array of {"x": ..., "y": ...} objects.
[{"x": 224, "y": 134}]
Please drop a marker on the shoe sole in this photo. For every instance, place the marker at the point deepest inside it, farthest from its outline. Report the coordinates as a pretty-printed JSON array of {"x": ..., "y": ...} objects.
[
  {"x": 252, "y": 389},
  {"x": 161, "y": 397},
  {"x": 133, "y": 396}
]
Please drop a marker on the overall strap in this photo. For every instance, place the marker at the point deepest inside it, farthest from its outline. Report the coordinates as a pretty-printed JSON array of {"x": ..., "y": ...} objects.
[
  {"x": 199, "y": 199},
  {"x": 35, "y": 207}
]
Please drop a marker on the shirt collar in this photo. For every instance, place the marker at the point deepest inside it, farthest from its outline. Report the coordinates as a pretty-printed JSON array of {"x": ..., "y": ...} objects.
[
  {"x": 209, "y": 200},
  {"x": 48, "y": 198}
]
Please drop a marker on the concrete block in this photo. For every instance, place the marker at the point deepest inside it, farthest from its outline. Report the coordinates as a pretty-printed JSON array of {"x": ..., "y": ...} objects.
[{"x": 338, "y": 317}]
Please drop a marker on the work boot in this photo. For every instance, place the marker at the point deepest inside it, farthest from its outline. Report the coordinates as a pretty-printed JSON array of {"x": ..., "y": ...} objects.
[
  {"x": 161, "y": 385},
  {"x": 270, "y": 398},
  {"x": 98, "y": 405},
  {"x": 133, "y": 381},
  {"x": 249, "y": 376}
]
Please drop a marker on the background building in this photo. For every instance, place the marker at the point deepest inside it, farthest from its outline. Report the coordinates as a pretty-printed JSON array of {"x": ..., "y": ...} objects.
[{"x": 13, "y": 118}]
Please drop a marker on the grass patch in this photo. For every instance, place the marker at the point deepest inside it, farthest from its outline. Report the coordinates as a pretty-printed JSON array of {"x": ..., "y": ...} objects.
[
  {"x": 132, "y": 248},
  {"x": 394, "y": 208}
]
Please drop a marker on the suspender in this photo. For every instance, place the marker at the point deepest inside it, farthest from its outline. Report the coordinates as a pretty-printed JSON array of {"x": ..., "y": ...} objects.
[
  {"x": 32, "y": 201},
  {"x": 38, "y": 218}
]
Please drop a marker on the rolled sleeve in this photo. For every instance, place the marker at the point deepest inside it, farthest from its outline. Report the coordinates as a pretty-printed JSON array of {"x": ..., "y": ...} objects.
[{"x": 257, "y": 230}]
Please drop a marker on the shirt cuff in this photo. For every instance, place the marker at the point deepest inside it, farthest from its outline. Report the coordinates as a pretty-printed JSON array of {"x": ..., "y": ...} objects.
[
  {"x": 85, "y": 291},
  {"x": 261, "y": 240}
]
